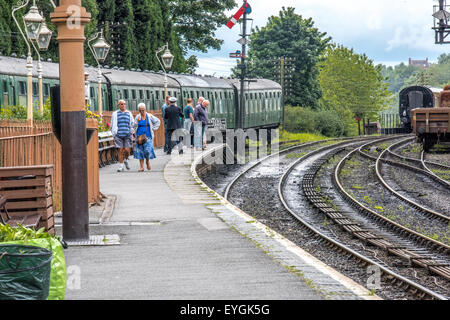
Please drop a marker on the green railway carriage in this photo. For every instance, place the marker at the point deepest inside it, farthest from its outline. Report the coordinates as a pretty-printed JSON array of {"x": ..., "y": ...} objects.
[
  {"x": 13, "y": 80},
  {"x": 218, "y": 91},
  {"x": 263, "y": 103},
  {"x": 136, "y": 87},
  {"x": 263, "y": 100}
]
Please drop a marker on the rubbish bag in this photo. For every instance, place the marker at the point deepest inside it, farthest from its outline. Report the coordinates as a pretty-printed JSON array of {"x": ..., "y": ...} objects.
[
  {"x": 24, "y": 272},
  {"x": 58, "y": 275}
]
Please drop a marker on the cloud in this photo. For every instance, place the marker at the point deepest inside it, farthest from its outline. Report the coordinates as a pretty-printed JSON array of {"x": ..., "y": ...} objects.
[{"x": 386, "y": 30}]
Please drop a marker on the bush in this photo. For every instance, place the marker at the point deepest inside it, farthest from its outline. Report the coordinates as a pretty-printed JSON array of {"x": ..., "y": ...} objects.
[
  {"x": 330, "y": 124},
  {"x": 21, "y": 113},
  {"x": 13, "y": 112},
  {"x": 324, "y": 122},
  {"x": 299, "y": 120}
]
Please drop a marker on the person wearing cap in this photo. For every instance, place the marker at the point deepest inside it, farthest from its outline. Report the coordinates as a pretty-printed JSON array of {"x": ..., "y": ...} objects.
[{"x": 172, "y": 116}]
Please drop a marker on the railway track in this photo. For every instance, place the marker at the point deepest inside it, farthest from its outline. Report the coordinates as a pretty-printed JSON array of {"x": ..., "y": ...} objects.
[
  {"x": 347, "y": 224},
  {"x": 445, "y": 218},
  {"x": 421, "y": 163}
]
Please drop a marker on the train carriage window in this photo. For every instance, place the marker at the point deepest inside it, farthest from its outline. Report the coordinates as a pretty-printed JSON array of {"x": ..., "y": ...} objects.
[
  {"x": 147, "y": 94},
  {"x": 221, "y": 96},
  {"x": 92, "y": 92},
  {"x": 215, "y": 95},
  {"x": 5, "y": 86},
  {"x": 46, "y": 89},
  {"x": 198, "y": 94},
  {"x": 125, "y": 94},
  {"x": 141, "y": 94},
  {"x": 133, "y": 94},
  {"x": 22, "y": 88},
  {"x": 157, "y": 95}
]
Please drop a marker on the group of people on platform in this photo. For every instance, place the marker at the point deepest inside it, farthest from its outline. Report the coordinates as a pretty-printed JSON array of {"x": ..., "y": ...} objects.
[{"x": 124, "y": 126}]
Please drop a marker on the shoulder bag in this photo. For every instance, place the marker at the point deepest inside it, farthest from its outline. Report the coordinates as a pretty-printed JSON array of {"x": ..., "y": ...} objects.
[{"x": 142, "y": 139}]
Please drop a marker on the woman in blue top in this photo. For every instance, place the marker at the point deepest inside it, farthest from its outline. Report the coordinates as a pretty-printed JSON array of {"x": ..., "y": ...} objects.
[{"x": 145, "y": 123}]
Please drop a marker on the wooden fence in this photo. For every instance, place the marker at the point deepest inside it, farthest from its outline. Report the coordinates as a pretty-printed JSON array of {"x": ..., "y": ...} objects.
[
  {"x": 44, "y": 149},
  {"x": 13, "y": 128}
]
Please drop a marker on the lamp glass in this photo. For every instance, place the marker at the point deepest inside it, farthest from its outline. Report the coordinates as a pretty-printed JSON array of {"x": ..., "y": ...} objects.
[
  {"x": 101, "y": 49},
  {"x": 167, "y": 58},
  {"x": 33, "y": 21},
  {"x": 44, "y": 37}
]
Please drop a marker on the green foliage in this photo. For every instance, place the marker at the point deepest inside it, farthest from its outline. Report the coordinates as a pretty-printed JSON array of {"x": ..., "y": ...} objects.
[
  {"x": 292, "y": 36},
  {"x": 20, "y": 233},
  {"x": 324, "y": 122},
  {"x": 352, "y": 85},
  {"x": 146, "y": 26},
  {"x": 20, "y": 112},
  {"x": 13, "y": 112},
  {"x": 195, "y": 22}
]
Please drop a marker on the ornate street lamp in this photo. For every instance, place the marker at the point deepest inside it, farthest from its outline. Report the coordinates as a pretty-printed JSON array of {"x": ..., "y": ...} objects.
[
  {"x": 167, "y": 59},
  {"x": 44, "y": 37},
  {"x": 33, "y": 20},
  {"x": 100, "y": 51},
  {"x": 20, "y": 5}
]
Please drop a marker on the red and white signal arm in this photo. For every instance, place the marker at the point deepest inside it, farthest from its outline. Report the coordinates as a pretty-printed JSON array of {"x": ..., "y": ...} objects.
[{"x": 245, "y": 8}]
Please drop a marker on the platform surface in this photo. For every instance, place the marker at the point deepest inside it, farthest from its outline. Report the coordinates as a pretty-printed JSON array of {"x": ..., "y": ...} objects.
[{"x": 177, "y": 241}]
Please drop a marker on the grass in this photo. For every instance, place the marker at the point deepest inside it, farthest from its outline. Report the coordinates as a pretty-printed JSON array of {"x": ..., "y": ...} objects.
[
  {"x": 444, "y": 174},
  {"x": 296, "y": 155},
  {"x": 300, "y": 137}
]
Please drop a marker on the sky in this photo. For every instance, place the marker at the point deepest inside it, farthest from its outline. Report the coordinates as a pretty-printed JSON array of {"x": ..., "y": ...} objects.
[{"x": 387, "y": 31}]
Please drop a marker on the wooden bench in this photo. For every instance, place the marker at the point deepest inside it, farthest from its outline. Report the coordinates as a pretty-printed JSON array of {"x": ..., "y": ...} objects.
[
  {"x": 28, "y": 221},
  {"x": 107, "y": 151}
]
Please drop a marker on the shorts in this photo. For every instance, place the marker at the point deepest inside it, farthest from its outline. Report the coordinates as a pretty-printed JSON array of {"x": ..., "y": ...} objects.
[{"x": 123, "y": 142}]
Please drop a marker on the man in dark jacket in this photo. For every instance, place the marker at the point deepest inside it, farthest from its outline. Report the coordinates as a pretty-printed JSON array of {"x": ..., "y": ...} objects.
[
  {"x": 201, "y": 114},
  {"x": 172, "y": 115}
]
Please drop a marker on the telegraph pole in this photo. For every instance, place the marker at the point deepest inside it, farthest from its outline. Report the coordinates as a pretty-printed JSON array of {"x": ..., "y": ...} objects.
[{"x": 243, "y": 69}]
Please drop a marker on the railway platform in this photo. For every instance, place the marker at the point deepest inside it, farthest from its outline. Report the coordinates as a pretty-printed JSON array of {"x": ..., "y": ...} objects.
[{"x": 177, "y": 240}]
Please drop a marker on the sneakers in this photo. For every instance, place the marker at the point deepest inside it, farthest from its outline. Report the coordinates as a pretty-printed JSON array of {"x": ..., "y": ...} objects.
[
  {"x": 127, "y": 165},
  {"x": 121, "y": 169}
]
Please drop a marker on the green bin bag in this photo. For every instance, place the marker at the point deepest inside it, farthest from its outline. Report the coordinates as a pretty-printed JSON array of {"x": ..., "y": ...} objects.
[
  {"x": 24, "y": 272},
  {"x": 58, "y": 275}
]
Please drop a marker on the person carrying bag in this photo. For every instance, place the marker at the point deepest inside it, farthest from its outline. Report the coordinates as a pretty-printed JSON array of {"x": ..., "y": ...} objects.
[{"x": 145, "y": 124}]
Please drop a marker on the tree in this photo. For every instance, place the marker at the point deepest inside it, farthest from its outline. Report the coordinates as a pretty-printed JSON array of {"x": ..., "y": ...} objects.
[
  {"x": 195, "y": 22},
  {"x": 352, "y": 85},
  {"x": 291, "y": 36},
  {"x": 124, "y": 52},
  {"x": 444, "y": 59}
]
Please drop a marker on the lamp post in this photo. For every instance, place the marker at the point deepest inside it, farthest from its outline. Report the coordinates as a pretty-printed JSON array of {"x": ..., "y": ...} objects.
[
  {"x": 167, "y": 60},
  {"x": 70, "y": 18},
  {"x": 100, "y": 51},
  {"x": 32, "y": 21},
  {"x": 43, "y": 41}
]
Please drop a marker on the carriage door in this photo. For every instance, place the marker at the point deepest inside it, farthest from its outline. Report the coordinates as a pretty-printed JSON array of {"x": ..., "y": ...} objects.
[{"x": 415, "y": 100}]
